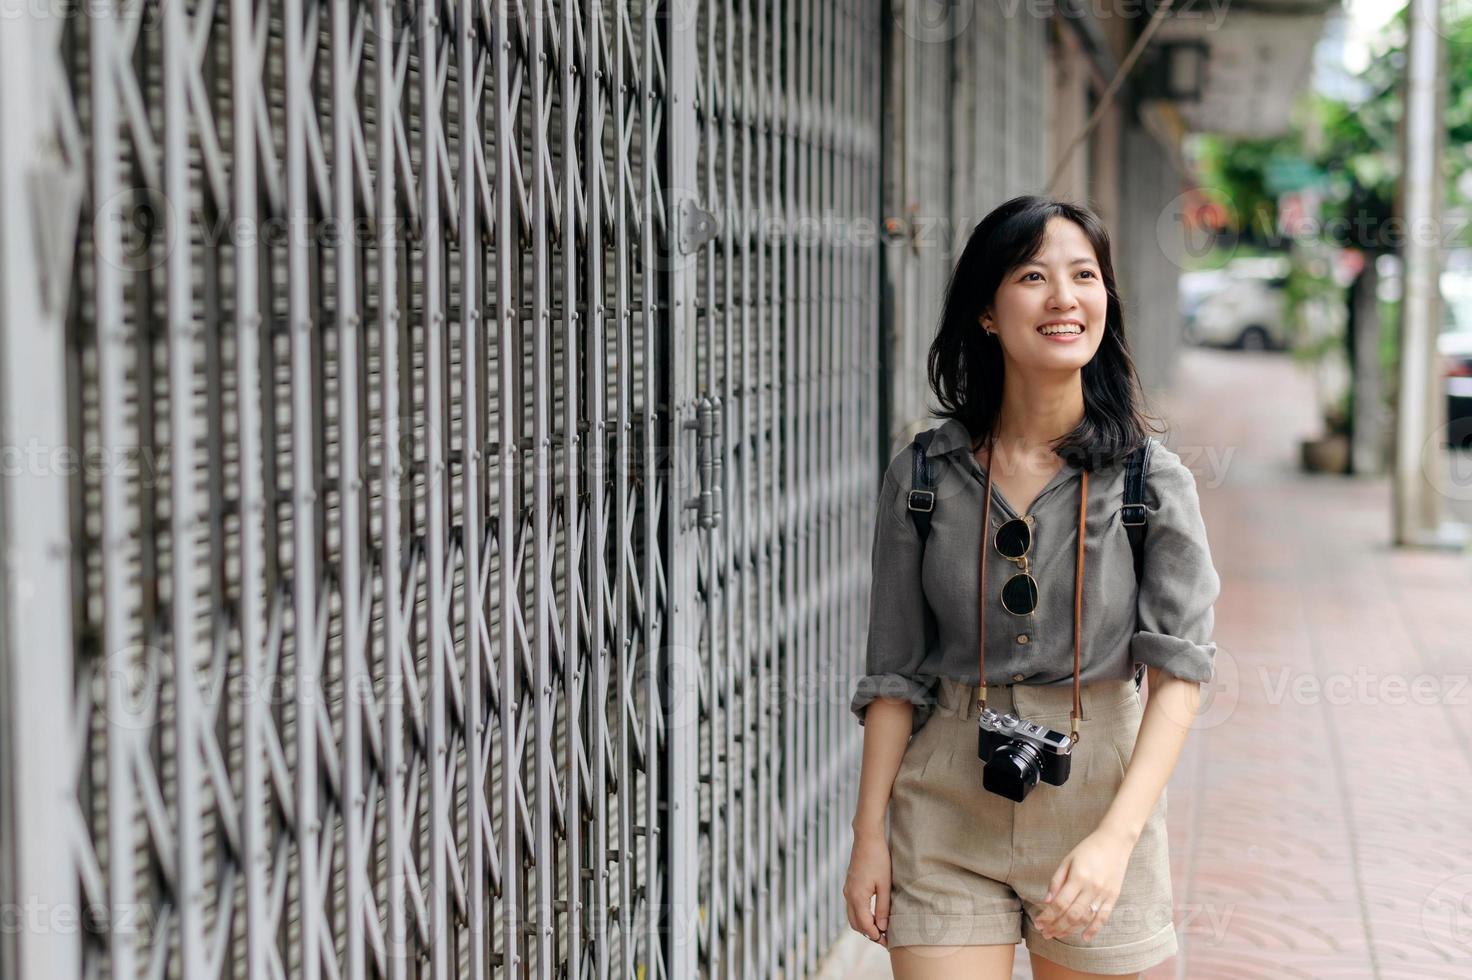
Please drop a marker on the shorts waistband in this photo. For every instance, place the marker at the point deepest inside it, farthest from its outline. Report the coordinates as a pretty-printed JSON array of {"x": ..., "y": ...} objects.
[{"x": 1034, "y": 700}]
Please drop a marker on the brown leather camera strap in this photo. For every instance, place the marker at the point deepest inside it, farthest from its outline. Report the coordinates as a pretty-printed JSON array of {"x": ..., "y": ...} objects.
[{"x": 1078, "y": 592}]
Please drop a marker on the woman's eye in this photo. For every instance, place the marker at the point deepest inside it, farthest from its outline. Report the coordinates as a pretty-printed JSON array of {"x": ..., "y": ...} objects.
[{"x": 1089, "y": 272}]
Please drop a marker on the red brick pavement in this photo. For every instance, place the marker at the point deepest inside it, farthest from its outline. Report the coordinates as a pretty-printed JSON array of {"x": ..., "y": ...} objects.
[
  {"x": 1321, "y": 814},
  {"x": 1321, "y": 817}
]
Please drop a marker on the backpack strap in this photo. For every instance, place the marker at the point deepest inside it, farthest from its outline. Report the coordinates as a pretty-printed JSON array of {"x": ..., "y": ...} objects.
[
  {"x": 922, "y": 485},
  {"x": 1133, "y": 514},
  {"x": 1137, "y": 465},
  {"x": 921, "y": 503}
]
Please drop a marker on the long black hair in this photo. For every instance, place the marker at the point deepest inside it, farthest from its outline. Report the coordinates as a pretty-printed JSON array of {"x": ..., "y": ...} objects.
[{"x": 966, "y": 366}]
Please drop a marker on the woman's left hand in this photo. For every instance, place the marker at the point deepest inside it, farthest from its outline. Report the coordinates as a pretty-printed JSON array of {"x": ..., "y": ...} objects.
[{"x": 1091, "y": 874}]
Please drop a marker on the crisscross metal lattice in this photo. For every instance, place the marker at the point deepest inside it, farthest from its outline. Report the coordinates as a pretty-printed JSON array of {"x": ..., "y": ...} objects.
[{"x": 476, "y": 407}]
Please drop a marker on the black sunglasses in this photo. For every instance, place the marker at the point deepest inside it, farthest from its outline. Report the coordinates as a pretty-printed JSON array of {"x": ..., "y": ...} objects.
[{"x": 1013, "y": 541}]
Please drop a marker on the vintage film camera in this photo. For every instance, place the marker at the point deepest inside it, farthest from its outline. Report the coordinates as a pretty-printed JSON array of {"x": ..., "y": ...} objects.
[{"x": 1018, "y": 754}]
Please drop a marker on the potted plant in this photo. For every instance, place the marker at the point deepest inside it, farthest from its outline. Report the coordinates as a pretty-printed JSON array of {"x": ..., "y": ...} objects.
[{"x": 1330, "y": 453}]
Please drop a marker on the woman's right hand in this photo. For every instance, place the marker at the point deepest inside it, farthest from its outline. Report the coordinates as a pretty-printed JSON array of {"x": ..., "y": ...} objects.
[{"x": 868, "y": 877}]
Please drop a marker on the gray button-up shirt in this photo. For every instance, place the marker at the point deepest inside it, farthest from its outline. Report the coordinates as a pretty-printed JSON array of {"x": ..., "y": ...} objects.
[{"x": 1165, "y": 620}]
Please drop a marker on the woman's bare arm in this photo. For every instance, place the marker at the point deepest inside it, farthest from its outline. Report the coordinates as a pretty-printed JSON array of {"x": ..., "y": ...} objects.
[
  {"x": 1170, "y": 711},
  {"x": 887, "y": 723}
]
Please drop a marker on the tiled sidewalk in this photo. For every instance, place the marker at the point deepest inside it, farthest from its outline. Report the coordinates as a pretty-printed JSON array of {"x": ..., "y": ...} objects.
[{"x": 1321, "y": 815}]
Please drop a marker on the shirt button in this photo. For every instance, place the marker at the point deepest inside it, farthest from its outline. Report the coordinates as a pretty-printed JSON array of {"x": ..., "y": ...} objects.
[
  {"x": 1023, "y": 637},
  {"x": 1017, "y": 677}
]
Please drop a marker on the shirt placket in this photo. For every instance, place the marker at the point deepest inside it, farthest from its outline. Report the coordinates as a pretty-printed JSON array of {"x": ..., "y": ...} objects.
[{"x": 1022, "y": 631}]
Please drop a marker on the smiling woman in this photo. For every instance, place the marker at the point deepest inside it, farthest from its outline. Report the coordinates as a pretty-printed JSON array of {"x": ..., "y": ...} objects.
[
  {"x": 1024, "y": 590},
  {"x": 1037, "y": 276}
]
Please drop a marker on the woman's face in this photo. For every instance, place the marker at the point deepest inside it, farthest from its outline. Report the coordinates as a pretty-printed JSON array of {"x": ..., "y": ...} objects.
[{"x": 1062, "y": 283}]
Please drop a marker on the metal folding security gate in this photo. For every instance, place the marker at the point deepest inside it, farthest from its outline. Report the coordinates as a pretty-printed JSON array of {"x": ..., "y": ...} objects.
[{"x": 448, "y": 550}]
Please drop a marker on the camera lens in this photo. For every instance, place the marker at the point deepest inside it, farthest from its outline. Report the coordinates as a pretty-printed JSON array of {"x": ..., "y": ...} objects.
[{"x": 1014, "y": 769}]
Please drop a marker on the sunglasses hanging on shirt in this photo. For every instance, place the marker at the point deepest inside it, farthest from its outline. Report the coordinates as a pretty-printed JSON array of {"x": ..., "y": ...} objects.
[{"x": 1013, "y": 541}]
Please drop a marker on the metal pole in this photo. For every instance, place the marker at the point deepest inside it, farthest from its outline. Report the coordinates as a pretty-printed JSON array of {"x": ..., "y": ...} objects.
[
  {"x": 1418, "y": 455},
  {"x": 39, "y": 194}
]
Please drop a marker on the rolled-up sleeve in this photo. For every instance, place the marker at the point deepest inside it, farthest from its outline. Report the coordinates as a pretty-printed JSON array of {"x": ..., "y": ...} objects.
[
  {"x": 1179, "y": 584},
  {"x": 900, "y": 636}
]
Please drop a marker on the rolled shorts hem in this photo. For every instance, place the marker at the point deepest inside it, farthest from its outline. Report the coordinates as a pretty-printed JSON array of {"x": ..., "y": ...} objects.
[
  {"x": 1127, "y": 958},
  {"x": 924, "y": 929}
]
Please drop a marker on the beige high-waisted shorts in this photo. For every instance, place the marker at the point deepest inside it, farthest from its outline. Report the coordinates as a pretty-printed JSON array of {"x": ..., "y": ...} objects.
[{"x": 970, "y": 867}]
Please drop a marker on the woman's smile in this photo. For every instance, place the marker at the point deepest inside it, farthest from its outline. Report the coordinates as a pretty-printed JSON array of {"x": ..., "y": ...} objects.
[{"x": 1063, "y": 332}]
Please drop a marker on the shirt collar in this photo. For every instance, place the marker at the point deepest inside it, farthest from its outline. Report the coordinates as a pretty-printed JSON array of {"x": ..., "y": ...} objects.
[{"x": 952, "y": 435}]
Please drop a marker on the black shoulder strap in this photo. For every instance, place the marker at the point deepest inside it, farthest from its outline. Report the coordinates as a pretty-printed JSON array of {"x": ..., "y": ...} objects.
[
  {"x": 922, "y": 485},
  {"x": 1133, "y": 516},
  {"x": 921, "y": 503},
  {"x": 1137, "y": 465}
]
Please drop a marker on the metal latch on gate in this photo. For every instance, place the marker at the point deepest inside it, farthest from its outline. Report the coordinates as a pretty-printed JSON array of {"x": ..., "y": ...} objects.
[
  {"x": 707, "y": 424},
  {"x": 697, "y": 226}
]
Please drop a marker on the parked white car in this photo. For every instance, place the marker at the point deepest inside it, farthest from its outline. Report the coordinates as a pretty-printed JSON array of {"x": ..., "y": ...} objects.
[
  {"x": 1248, "y": 311},
  {"x": 1196, "y": 286}
]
